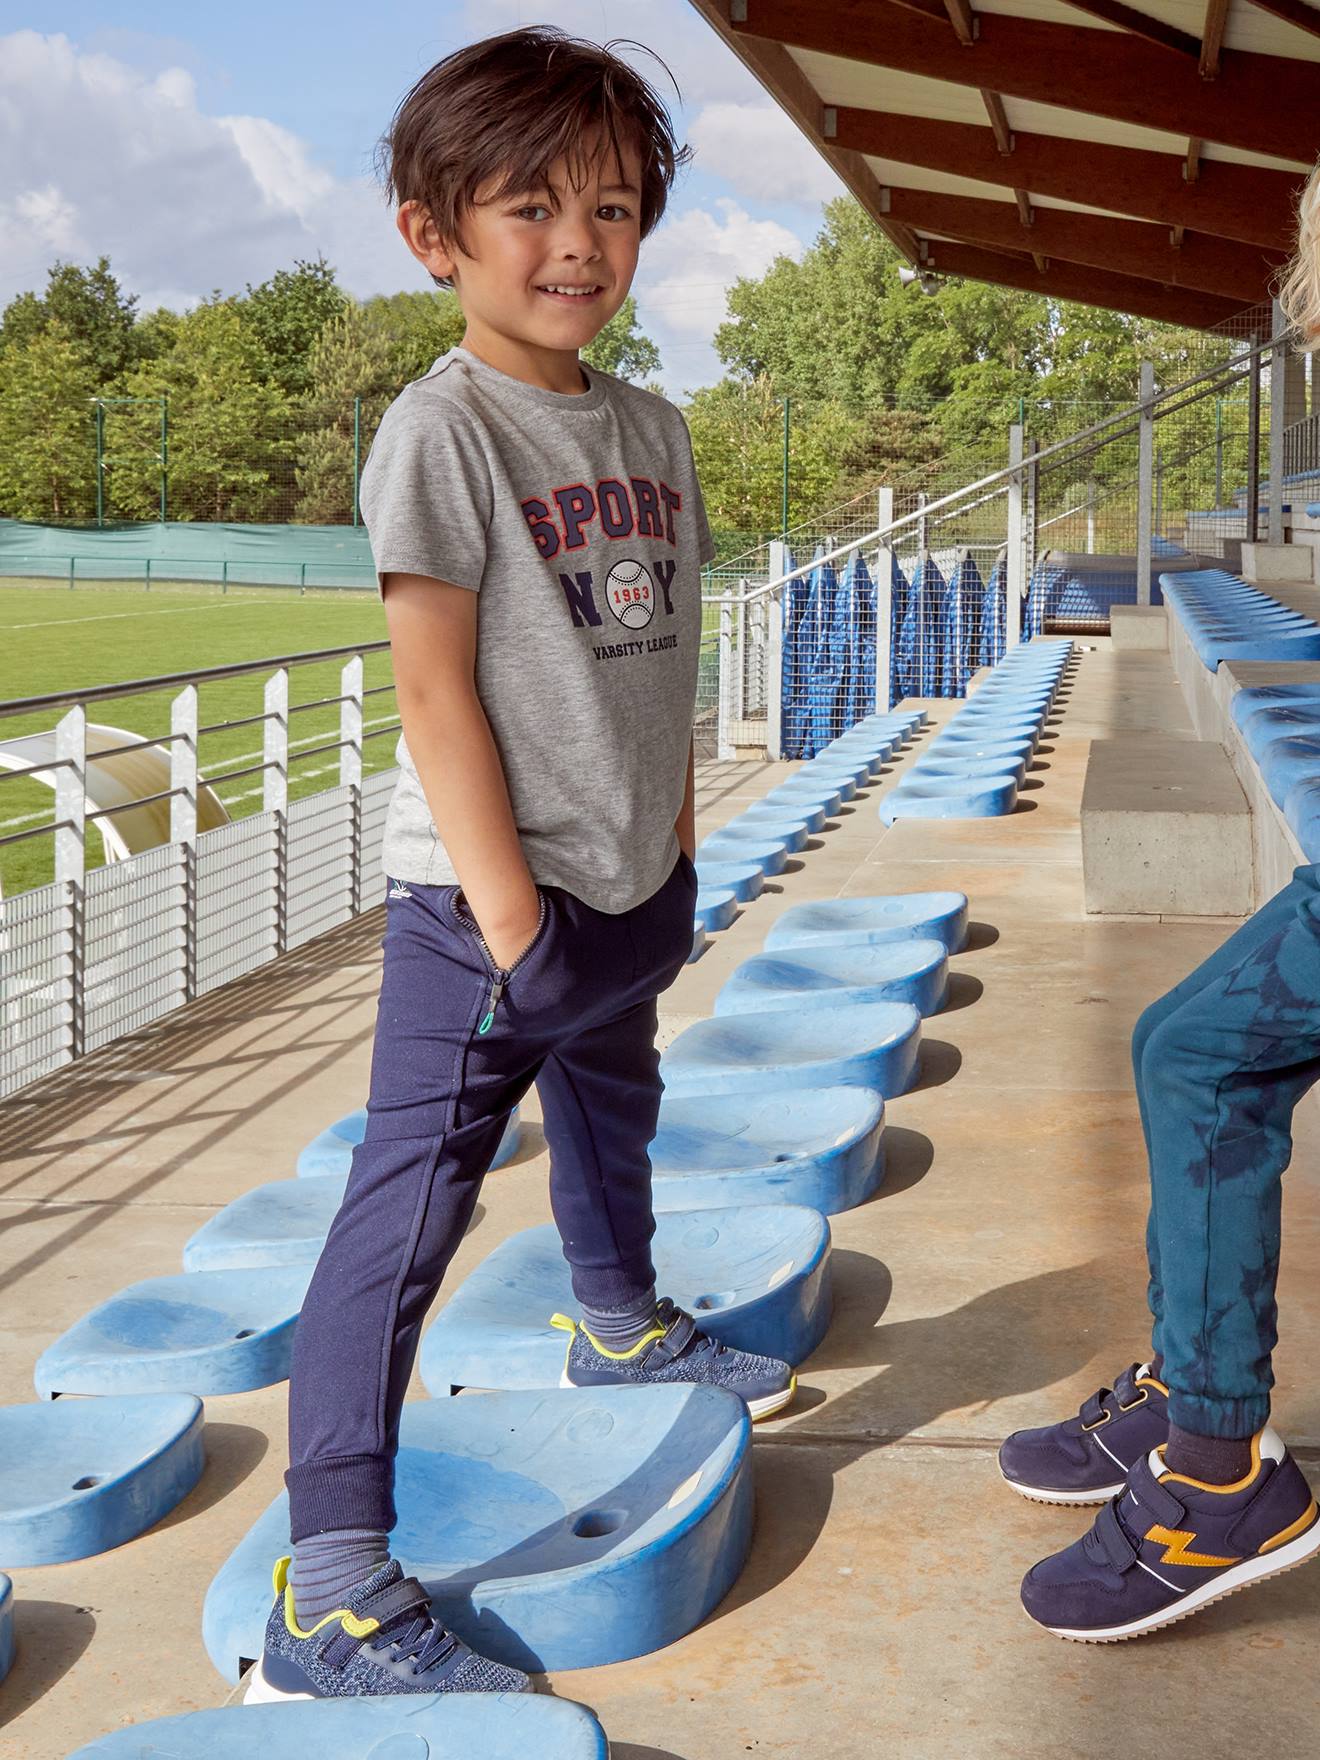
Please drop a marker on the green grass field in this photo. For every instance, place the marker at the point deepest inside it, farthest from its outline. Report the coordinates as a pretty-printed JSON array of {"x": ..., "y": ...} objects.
[{"x": 54, "y": 639}]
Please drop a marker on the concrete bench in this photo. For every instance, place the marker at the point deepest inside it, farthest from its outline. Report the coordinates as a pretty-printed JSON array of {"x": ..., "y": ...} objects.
[{"x": 1166, "y": 830}]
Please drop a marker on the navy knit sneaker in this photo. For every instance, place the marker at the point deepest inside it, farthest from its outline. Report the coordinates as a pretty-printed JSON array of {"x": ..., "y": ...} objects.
[
  {"x": 1086, "y": 1459},
  {"x": 1168, "y": 1546},
  {"x": 385, "y": 1640},
  {"x": 677, "y": 1350}
]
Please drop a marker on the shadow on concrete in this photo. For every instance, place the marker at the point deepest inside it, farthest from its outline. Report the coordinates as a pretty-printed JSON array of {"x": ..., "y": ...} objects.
[
  {"x": 1024, "y": 806},
  {"x": 50, "y": 1636},
  {"x": 631, "y": 1751},
  {"x": 233, "y": 1453},
  {"x": 979, "y": 937},
  {"x": 940, "y": 1063},
  {"x": 964, "y": 990},
  {"x": 1009, "y": 1341},
  {"x": 908, "y": 1158}
]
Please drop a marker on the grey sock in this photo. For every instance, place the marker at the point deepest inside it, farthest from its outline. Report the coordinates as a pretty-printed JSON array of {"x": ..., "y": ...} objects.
[
  {"x": 1218, "y": 1460},
  {"x": 619, "y": 1329},
  {"x": 328, "y": 1567}
]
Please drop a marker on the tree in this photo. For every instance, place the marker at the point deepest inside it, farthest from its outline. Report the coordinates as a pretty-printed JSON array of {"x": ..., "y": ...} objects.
[
  {"x": 231, "y": 438},
  {"x": 93, "y": 310},
  {"x": 622, "y": 347},
  {"x": 286, "y": 315},
  {"x": 47, "y": 450},
  {"x": 353, "y": 378},
  {"x": 418, "y": 327}
]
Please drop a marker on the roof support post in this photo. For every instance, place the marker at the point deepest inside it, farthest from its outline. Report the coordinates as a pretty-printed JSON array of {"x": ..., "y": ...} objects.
[
  {"x": 183, "y": 822},
  {"x": 774, "y": 655},
  {"x": 71, "y": 858},
  {"x": 1145, "y": 480},
  {"x": 884, "y": 604},
  {"x": 1278, "y": 417},
  {"x": 1015, "y": 586}
]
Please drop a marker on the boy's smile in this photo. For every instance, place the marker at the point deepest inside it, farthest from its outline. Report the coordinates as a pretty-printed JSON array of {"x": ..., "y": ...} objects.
[{"x": 539, "y": 273}]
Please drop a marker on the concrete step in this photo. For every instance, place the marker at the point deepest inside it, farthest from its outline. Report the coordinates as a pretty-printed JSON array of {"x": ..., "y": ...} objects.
[{"x": 1166, "y": 830}]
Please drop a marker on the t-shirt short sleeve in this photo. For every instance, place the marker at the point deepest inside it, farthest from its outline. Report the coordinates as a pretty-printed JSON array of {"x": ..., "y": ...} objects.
[{"x": 427, "y": 499}]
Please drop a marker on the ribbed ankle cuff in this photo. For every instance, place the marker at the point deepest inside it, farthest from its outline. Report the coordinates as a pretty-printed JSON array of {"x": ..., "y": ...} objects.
[
  {"x": 1218, "y": 1417},
  {"x": 610, "y": 1288},
  {"x": 341, "y": 1491}
]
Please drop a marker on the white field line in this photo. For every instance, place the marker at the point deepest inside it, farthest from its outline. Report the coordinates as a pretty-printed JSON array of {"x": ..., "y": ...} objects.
[
  {"x": 232, "y": 763},
  {"x": 164, "y": 611}
]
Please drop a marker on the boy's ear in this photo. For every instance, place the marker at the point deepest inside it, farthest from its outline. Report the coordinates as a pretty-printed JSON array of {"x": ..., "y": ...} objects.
[{"x": 422, "y": 237}]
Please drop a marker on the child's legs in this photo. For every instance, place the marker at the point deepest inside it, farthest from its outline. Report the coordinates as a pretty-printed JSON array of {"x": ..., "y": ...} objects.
[
  {"x": 1221, "y": 1075},
  {"x": 600, "y": 1095},
  {"x": 440, "y": 1099},
  {"x": 1280, "y": 910}
]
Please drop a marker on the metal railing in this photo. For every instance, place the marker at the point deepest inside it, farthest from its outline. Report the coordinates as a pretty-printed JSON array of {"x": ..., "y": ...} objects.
[{"x": 102, "y": 951}]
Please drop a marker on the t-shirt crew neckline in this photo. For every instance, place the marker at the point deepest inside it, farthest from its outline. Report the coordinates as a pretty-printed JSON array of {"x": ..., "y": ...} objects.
[{"x": 592, "y": 398}]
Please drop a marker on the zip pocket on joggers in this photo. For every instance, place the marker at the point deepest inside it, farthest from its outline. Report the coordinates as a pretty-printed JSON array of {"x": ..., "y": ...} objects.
[{"x": 499, "y": 975}]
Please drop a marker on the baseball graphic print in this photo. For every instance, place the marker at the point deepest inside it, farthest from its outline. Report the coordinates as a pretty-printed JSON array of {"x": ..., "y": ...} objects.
[{"x": 630, "y": 594}]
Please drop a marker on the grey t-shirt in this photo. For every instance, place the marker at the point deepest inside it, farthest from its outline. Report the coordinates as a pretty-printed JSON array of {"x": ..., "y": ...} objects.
[{"x": 579, "y": 521}]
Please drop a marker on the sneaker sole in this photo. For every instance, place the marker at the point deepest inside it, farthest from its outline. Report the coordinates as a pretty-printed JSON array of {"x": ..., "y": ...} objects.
[
  {"x": 1242, "y": 1576},
  {"x": 756, "y": 1408},
  {"x": 1037, "y": 1494},
  {"x": 260, "y": 1692}
]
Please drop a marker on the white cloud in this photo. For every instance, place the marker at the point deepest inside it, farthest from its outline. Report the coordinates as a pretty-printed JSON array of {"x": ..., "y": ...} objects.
[
  {"x": 97, "y": 156},
  {"x": 685, "y": 273},
  {"x": 764, "y": 155}
]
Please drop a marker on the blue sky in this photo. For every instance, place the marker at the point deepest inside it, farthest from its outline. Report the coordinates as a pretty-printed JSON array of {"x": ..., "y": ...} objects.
[{"x": 202, "y": 148}]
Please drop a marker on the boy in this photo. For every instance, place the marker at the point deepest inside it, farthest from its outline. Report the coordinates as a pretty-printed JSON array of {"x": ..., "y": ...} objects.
[
  {"x": 538, "y": 533},
  {"x": 1201, "y": 1497}
]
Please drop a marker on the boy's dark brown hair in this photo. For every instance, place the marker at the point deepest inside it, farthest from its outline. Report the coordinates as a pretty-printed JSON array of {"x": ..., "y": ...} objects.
[{"x": 508, "y": 108}]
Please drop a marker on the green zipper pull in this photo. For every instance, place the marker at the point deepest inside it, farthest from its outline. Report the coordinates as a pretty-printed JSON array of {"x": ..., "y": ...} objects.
[{"x": 488, "y": 1019}]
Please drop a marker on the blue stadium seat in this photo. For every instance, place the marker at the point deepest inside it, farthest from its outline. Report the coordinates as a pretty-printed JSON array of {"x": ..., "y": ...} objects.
[
  {"x": 755, "y": 1277},
  {"x": 715, "y": 909},
  {"x": 915, "y": 972},
  {"x": 789, "y": 829},
  {"x": 6, "y": 1625},
  {"x": 810, "y": 814},
  {"x": 870, "y": 1045},
  {"x": 553, "y": 1530},
  {"x": 698, "y": 944},
  {"x": 988, "y": 794},
  {"x": 745, "y": 880},
  {"x": 901, "y": 916},
  {"x": 81, "y": 1476},
  {"x": 332, "y": 1151},
  {"x": 200, "y": 1332},
  {"x": 769, "y": 852},
  {"x": 809, "y": 792},
  {"x": 283, "y": 1222},
  {"x": 1225, "y": 619},
  {"x": 818, "y": 1146},
  {"x": 443, "y": 1726}
]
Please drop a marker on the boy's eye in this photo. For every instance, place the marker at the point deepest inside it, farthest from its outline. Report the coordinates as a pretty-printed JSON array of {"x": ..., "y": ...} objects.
[
  {"x": 618, "y": 209},
  {"x": 532, "y": 209}
]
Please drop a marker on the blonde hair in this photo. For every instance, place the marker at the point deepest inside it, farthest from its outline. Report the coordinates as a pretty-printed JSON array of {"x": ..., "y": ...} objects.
[{"x": 1299, "y": 292}]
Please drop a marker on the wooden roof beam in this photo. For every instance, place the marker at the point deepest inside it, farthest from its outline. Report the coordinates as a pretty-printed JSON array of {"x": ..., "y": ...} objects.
[
  {"x": 1128, "y": 247},
  {"x": 1141, "y": 24},
  {"x": 1212, "y": 37},
  {"x": 1246, "y": 202},
  {"x": 1260, "y": 103},
  {"x": 1091, "y": 287},
  {"x": 1306, "y": 18}
]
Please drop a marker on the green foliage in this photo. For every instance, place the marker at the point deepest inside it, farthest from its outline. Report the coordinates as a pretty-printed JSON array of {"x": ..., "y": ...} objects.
[
  {"x": 623, "y": 347},
  {"x": 231, "y": 437},
  {"x": 286, "y": 315},
  {"x": 418, "y": 328},
  {"x": 90, "y": 307},
  {"x": 353, "y": 377},
  {"x": 47, "y": 466}
]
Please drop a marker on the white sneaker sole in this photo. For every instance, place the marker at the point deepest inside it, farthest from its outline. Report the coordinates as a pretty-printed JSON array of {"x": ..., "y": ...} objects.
[
  {"x": 260, "y": 1692},
  {"x": 757, "y": 1408},
  {"x": 1241, "y": 1576},
  {"x": 1034, "y": 1493}
]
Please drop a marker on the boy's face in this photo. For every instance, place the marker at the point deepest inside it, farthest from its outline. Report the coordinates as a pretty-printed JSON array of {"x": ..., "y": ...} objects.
[{"x": 524, "y": 247}]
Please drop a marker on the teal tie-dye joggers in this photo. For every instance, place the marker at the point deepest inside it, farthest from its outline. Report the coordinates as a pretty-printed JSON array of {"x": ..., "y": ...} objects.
[{"x": 1221, "y": 1063}]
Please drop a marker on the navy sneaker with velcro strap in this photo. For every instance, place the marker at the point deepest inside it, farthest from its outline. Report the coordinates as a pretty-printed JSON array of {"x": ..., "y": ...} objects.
[
  {"x": 1167, "y": 1546},
  {"x": 676, "y": 1349},
  {"x": 384, "y": 1640},
  {"x": 1085, "y": 1459}
]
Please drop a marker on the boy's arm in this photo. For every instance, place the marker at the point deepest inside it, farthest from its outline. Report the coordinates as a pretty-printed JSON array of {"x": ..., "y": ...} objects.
[
  {"x": 686, "y": 823},
  {"x": 433, "y": 636}
]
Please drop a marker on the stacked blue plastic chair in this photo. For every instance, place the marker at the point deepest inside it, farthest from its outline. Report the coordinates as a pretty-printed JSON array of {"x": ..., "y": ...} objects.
[{"x": 974, "y": 768}]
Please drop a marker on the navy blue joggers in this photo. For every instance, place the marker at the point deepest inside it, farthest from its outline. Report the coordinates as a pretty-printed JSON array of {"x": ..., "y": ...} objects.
[{"x": 455, "y": 1050}]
